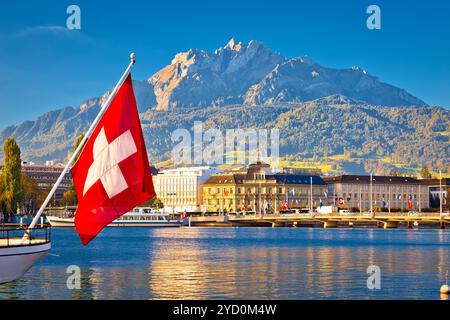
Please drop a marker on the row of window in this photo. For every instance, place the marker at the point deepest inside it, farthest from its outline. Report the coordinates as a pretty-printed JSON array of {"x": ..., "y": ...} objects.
[
  {"x": 179, "y": 201},
  {"x": 394, "y": 196},
  {"x": 176, "y": 194},
  {"x": 265, "y": 190},
  {"x": 175, "y": 181},
  {"x": 175, "y": 188},
  {"x": 51, "y": 178},
  {"x": 385, "y": 188},
  {"x": 230, "y": 202},
  {"x": 61, "y": 186}
]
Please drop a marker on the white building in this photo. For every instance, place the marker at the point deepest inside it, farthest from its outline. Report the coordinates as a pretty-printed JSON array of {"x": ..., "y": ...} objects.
[{"x": 182, "y": 188}]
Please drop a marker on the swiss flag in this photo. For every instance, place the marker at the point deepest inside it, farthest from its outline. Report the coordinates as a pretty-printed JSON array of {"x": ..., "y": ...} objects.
[{"x": 112, "y": 174}]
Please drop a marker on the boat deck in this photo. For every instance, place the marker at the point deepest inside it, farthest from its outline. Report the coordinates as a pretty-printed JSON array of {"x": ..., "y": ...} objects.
[
  {"x": 12, "y": 235},
  {"x": 19, "y": 242}
]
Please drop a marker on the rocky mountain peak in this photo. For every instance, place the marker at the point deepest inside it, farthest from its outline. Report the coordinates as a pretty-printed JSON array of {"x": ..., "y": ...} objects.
[
  {"x": 232, "y": 45},
  {"x": 196, "y": 78}
]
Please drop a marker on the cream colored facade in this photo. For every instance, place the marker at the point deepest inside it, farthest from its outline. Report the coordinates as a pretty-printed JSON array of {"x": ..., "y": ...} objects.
[
  {"x": 260, "y": 190},
  {"x": 182, "y": 188},
  {"x": 387, "y": 192}
]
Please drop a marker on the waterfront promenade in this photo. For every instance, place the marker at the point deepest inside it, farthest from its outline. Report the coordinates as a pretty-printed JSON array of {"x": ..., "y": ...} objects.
[{"x": 333, "y": 220}]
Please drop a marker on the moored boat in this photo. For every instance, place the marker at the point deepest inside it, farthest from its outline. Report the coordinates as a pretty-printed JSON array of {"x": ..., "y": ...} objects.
[
  {"x": 19, "y": 253},
  {"x": 139, "y": 217}
]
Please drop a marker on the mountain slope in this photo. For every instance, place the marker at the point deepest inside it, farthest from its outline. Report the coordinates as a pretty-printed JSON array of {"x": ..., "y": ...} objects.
[
  {"x": 322, "y": 129},
  {"x": 302, "y": 79},
  {"x": 323, "y": 114},
  {"x": 314, "y": 131}
]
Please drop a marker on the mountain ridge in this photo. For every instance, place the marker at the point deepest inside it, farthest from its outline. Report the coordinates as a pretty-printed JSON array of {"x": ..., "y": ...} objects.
[
  {"x": 252, "y": 82},
  {"x": 253, "y": 74}
]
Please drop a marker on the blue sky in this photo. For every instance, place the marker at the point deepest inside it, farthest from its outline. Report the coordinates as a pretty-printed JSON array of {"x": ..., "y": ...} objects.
[{"x": 44, "y": 66}]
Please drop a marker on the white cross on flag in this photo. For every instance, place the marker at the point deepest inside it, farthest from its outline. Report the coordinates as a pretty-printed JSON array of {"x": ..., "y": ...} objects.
[{"x": 112, "y": 174}]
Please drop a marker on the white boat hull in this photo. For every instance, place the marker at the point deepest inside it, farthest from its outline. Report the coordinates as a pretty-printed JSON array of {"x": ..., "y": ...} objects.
[
  {"x": 60, "y": 222},
  {"x": 69, "y": 222},
  {"x": 15, "y": 261}
]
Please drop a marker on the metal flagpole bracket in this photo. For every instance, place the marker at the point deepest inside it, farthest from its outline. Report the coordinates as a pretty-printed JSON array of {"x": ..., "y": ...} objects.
[{"x": 133, "y": 58}]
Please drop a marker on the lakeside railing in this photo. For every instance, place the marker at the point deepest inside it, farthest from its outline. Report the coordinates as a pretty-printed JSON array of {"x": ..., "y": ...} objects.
[
  {"x": 11, "y": 234},
  {"x": 349, "y": 215}
]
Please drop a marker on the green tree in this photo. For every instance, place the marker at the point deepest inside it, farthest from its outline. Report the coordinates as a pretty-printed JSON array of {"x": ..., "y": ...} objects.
[
  {"x": 425, "y": 173},
  {"x": 33, "y": 197},
  {"x": 2, "y": 194},
  {"x": 394, "y": 173},
  {"x": 153, "y": 202},
  {"x": 77, "y": 143},
  {"x": 12, "y": 177},
  {"x": 70, "y": 196}
]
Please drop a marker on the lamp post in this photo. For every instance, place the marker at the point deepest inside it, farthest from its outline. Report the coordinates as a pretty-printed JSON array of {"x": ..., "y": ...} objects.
[
  {"x": 360, "y": 201},
  {"x": 440, "y": 194},
  {"x": 311, "y": 191},
  {"x": 371, "y": 196},
  {"x": 389, "y": 199}
]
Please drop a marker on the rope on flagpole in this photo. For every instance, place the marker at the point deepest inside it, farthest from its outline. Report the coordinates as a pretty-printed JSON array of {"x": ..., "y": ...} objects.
[{"x": 80, "y": 146}]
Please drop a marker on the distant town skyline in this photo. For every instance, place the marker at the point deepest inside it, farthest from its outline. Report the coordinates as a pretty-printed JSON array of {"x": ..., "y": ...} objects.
[{"x": 45, "y": 66}]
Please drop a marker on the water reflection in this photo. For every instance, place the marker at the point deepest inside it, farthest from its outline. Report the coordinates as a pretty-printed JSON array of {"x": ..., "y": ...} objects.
[{"x": 238, "y": 263}]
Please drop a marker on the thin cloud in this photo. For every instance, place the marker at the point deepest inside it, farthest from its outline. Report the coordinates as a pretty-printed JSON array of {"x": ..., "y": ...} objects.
[
  {"x": 52, "y": 30},
  {"x": 42, "y": 30}
]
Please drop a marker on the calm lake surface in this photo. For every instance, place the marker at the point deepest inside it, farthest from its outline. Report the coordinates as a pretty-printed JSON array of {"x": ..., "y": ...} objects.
[{"x": 240, "y": 263}]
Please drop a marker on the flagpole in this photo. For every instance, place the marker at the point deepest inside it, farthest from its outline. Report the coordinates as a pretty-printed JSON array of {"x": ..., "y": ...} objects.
[
  {"x": 334, "y": 196},
  {"x": 420, "y": 191},
  {"x": 276, "y": 200},
  {"x": 311, "y": 191},
  {"x": 402, "y": 190},
  {"x": 81, "y": 145},
  {"x": 260, "y": 197},
  {"x": 371, "y": 196},
  {"x": 389, "y": 201},
  {"x": 441, "y": 195}
]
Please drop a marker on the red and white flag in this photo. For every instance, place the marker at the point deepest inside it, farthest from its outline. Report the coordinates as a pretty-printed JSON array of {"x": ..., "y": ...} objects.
[{"x": 112, "y": 174}]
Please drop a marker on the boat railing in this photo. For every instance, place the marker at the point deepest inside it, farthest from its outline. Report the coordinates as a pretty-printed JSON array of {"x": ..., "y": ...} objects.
[
  {"x": 60, "y": 213},
  {"x": 11, "y": 235}
]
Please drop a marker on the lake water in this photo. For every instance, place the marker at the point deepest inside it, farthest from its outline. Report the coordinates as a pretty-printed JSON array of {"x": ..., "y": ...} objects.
[{"x": 240, "y": 263}]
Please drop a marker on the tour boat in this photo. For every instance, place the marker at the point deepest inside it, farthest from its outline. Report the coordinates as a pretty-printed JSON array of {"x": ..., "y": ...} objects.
[
  {"x": 19, "y": 253},
  {"x": 139, "y": 217}
]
